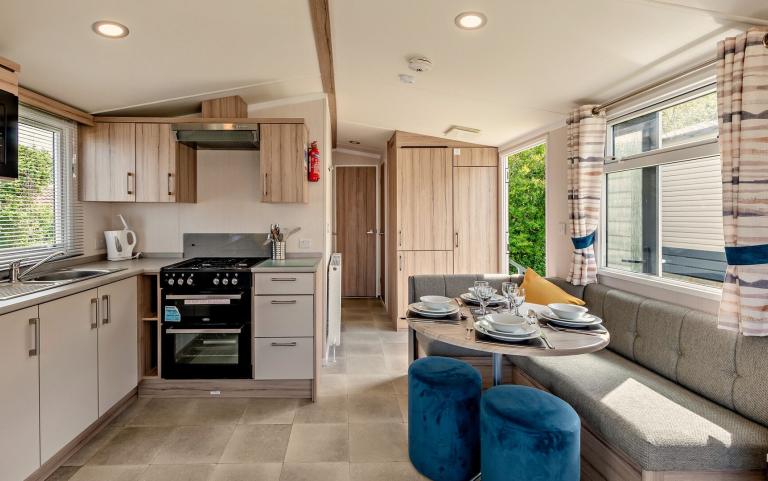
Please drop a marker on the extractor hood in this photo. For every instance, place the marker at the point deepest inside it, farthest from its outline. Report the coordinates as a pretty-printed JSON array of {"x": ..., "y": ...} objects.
[{"x": 221, "y": 136}]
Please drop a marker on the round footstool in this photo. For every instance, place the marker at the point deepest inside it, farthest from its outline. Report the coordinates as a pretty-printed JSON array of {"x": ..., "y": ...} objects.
[
  {"x": 527, "y": 434},
  {"x": 444, "y": 418}
]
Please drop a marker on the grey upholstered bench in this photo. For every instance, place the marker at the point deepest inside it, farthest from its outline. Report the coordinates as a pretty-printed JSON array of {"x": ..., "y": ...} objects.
[{"x": 671, "y": 394}]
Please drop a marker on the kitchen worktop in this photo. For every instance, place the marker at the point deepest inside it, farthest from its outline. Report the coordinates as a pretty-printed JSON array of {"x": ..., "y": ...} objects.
[{"x": 150, "y": 265}]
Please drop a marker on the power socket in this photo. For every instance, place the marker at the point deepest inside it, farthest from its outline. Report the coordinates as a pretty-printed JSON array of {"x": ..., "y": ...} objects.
[{"x": 305, "y": 243}]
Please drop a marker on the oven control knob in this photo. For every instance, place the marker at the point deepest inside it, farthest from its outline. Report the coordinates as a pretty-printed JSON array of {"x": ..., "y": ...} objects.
[
  {"x": 234, "y": 281},
  {"x": 225, "y": 281},
  {"x": 189, "y": 281},
  {"x": 170, "y": 282},
  {"x": 216, "y": 281}
]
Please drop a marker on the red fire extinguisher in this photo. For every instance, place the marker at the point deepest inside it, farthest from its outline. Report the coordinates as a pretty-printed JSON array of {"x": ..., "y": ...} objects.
[{"x": 314, "y": 162}]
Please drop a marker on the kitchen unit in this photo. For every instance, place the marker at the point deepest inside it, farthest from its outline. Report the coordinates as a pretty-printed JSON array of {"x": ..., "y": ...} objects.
[
  {"x": 9, "y": 118},
  {"x": 438, "y": 190}
]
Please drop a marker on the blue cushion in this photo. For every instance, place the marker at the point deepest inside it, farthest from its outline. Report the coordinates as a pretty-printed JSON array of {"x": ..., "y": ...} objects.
[
  {"x": 443, "y": 418},
  {"x": 528, "y": 434}
]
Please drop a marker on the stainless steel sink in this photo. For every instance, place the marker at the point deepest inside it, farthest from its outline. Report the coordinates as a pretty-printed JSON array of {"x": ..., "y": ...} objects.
[
  {"x": 49, "y": 280},
  {"x": 67, "y": 275}
]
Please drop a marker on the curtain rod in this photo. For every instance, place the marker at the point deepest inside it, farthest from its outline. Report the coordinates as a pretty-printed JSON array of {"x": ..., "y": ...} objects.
[{"x": 662, "y": 82}]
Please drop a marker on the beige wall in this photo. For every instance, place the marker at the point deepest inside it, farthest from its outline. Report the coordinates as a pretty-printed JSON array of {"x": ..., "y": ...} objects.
[
  {"x": 97, "y": 218},
  {"x": 558, "y": 250}
]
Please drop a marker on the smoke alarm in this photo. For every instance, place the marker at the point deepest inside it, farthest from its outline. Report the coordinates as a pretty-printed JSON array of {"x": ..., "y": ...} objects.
[{"x": 420, "y": 64}]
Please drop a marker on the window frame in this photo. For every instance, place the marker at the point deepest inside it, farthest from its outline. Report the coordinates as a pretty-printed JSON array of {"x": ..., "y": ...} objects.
[{"x": 701, "y": 149}]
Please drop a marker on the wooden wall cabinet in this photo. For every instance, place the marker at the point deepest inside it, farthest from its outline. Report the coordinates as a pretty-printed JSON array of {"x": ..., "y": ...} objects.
[
  {"x": 283, "y": 163},
  {"x": 135, "y": 162},
  {"x": 476, "y": 207},
  {"x": 9, "y": 76},
  {"x": 20, "y": 402}
]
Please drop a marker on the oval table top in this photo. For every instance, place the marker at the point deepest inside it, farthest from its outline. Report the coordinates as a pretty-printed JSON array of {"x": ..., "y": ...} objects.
[{"x": 564, "y": 343}]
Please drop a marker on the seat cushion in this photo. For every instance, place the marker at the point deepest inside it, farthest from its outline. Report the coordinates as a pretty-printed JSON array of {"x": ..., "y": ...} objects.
[{"x": 657, "y": 423}]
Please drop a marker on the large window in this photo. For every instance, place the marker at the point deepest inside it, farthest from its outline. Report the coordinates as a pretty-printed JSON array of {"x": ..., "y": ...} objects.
[
  {"x": 663, "y": 200},
  {"x": 526, "y": 209},
  {"x": 39, "y": 211}
]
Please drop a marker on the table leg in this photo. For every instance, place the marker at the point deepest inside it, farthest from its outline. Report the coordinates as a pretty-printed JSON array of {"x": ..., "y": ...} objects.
[
  {"x": 412, "y": 346},
  {"x": 496, "y": 359}
]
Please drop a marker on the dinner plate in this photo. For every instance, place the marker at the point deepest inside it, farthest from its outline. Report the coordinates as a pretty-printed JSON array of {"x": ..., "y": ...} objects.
[
  {"x": 470, "y": 298},
  {"x": 584, "y": 321},
  {"x": 420, "y": 309},
  {"x": 483, "y": 327}
]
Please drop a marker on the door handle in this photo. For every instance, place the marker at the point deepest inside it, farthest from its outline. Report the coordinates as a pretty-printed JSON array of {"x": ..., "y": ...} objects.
[
  {"x": 94, "y": 313},
  {"x": 284, "y": 302},
  {"x": 400, "y": 262},
  {"x": 457, "y": 239},
  {"x": 128, "y": 182},
  {"x": 170, "y": 192},
  {"x": 34, "y": 324},
  {"x": 266, "y": 184},
  {"x": 284, "y": 344},
  {"x": 371, "y": 232},
  {"x": 107, "y": 311},
  {"x": 400, "y": 238}
]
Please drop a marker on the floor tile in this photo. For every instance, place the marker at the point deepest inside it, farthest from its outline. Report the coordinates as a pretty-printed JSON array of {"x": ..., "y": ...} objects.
[
  {"x": 246, "y": 472},
  {"x": 377, "y": 443},
  {"x": 403, "y": 403},
  {"x": 380, "y": 384},
  {"x": 326, "y": 409},
  {"x": 109, "y": 473},
  {"x": 315, "y": 472},
  {"x": 215, "y": 411},
  {"x": 401, "y": 385},
  {"x": 367, "y": 408},
  {"x": 338, "y": 367},
  {"x": 64, "y": 473},
  {"x": 270, "y": 411},
  {"x": 313, "y": 443},
  {"x": 348, "y": 338},
  {"x": 365, "y": 365},
  {"x": 133, "y": 445},
  {"x": 364, "y": 349},
  {"x": 129, "y": 412},
  {"x": 177, "y": 472},
  {"x": 332, "y": 384},
  {"x": 394, "y": 336},
  {"x": 163, "y": 412},
  {"x": 399, "y": 349},
  {"x": 91, "y": 447},
  {"x": 194, "y": 445},
  {"x": 384, "y": 472},
  {"x": 257, "y": 443}
]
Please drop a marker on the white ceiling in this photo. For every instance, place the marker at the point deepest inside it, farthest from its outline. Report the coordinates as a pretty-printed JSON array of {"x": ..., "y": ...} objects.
[
  {"x": 177, "y": 48},
  {"x": 531, "y": 64}
]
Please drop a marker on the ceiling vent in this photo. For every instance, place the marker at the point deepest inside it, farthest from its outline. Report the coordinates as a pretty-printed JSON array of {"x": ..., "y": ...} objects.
[
  {"x": 420, "y": 64},
  {"x": 462, "y": 133}
]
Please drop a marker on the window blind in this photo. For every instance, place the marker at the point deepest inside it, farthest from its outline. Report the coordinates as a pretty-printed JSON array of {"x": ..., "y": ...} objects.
[{"x": 39, "y": 211}]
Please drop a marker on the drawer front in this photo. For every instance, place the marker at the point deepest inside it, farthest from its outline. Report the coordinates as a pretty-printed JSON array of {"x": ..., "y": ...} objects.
[
  {"x": 283, "y": 358},
  {"x": 267, "y": 284},
  {"x": 283, "y": 316}
]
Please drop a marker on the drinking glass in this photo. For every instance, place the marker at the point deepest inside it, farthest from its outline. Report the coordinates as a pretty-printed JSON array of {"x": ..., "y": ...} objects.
[
  {"x": 484, "y": 294},
  {"x": 518, "y": 298},
  {"x": 508, "y": 289}
]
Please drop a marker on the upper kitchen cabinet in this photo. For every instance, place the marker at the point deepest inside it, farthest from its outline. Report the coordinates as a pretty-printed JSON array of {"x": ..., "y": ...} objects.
[
  {"x": 283, "y": 160},
  {"x": 135, "y": 162},
  {"x": 475, "y": 157},
  {"x": 9, "y": 76}
]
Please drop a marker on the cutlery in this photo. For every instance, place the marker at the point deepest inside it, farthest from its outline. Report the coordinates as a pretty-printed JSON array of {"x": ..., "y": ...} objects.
[
  {"x": 535, "y": 320},
  {"x": 575, "y": 331}
]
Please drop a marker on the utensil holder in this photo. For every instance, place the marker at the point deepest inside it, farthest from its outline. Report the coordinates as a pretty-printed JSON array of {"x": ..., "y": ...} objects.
[{"x": 278, "y": 250}]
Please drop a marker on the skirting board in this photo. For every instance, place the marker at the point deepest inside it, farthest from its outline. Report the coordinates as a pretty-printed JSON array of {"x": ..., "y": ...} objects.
[
  {"x": 207, "y": 388},
  {"x": 73, "y": 446}
]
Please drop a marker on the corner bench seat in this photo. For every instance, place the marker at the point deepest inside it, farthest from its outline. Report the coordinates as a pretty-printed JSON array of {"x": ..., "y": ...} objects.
[{"x": 672, "y": 392}]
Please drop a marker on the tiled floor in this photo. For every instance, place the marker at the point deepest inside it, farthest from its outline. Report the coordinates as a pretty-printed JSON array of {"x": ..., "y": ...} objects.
[{"x": 356, "y": 431}]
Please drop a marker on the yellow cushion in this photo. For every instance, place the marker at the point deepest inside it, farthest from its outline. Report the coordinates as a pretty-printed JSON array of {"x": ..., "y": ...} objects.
[{"x": 540, "y": 291}]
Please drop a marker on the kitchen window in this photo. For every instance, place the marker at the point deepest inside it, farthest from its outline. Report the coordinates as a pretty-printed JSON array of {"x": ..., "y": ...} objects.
[
  {"x": 39, "y": 211},
  {"x": 662, "y": 202}
]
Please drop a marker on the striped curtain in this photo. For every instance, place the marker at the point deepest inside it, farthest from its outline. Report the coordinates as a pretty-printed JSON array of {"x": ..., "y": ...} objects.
[
  {"x": 586, "y": 153},
  {"x": 742, "y": 97}
]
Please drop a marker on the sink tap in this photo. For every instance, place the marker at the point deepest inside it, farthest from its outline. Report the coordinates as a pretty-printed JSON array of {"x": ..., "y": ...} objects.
[{"x": 14, "y": 267}]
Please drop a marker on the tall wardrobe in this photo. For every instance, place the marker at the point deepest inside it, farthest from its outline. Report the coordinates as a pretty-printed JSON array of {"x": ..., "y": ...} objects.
[{"x": 443, "y": 212}]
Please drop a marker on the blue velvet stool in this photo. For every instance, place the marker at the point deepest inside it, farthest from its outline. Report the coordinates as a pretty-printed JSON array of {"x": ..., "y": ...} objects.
[
  {"x": 444, "y": 418},
  {"x": 528, "y": 435}
]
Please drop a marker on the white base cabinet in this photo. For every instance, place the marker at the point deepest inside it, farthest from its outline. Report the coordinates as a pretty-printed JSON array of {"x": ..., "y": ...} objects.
[{"x": 19, "y": 399}]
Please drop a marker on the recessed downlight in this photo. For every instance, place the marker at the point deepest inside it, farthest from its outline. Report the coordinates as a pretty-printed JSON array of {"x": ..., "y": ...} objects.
[
  {"x": 470, "y": 20},
  {"x": 110, "y": 29}
]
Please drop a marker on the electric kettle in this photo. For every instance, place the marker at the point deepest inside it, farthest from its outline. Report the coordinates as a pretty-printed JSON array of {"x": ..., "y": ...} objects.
[{"x": 119, "y": 247}]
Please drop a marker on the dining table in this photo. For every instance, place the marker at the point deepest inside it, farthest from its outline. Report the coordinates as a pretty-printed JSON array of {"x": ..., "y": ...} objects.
[{"x": 460, "y": 332}]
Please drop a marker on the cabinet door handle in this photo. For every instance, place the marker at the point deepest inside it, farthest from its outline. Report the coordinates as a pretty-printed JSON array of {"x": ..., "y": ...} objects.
[
  {"x": 284, "y": 344},
  {"x": 94, "y": 313},
  {"x": 400, "y": 238},
  {"x": 283, "y": 279},
  {"x": 266, "y": 184},
  {"x": 457, "y": 239},
  {"x": 170, "y": 192},
  {"x": 400, "y": 262},
  {"x": 284, "y": 302},
  {"x": 128, "y": 183},
  {"x": 34, "y": 338},
  {"x": 107, "y": 311}
]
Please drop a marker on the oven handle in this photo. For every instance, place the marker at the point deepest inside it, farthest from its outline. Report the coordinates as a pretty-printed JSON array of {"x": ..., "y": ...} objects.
[
  {"x": 173, "y": 330},
  {"x": 181, "y": 297}
]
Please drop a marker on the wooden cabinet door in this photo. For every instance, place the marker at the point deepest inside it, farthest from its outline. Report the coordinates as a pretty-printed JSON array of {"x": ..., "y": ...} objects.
[
  {"x": 476, "y": 220},
  {"x": 283, "y": 165},
  {"x": 424, "y": 199},
  {"x": 411, "y": 263},
  {"x": 476, "y": 157},
  {"x": 117, "y": 333},
  {"x": 19, "y": 403},
  {"x": 68, "y": 369},
  {"x": 155, "y": 163},
  {"x": 122, "y": 162},
  {"x": 108, "y": 162}
]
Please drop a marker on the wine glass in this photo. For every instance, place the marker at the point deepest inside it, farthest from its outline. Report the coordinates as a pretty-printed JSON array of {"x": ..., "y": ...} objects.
[
  {"x": 484, "y": 294},
  {"x": 518, "y": 297},
  {"x": 508, "y": 289}
]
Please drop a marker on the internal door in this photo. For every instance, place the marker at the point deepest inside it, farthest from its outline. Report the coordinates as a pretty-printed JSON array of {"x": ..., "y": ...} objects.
[
  {"x": 356, "y": 230},
  {"x": 476, "y": 220}
]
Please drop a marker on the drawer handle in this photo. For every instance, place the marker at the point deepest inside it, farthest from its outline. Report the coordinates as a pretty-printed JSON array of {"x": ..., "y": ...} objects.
[
  {"x": 284, "y": 302},
  {"x": 283, "y": 279},
  {"x": 284, "y": 344}
]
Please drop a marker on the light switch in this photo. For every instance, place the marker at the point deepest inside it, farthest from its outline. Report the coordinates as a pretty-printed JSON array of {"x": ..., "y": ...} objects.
[{"x": 305, "y": 243}]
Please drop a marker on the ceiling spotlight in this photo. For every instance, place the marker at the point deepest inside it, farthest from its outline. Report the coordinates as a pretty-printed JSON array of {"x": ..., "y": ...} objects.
[
  {"x": 354, "y": 142},
  {"x": 470, "y": 20},
  {"x": 110, "y": 29}
]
